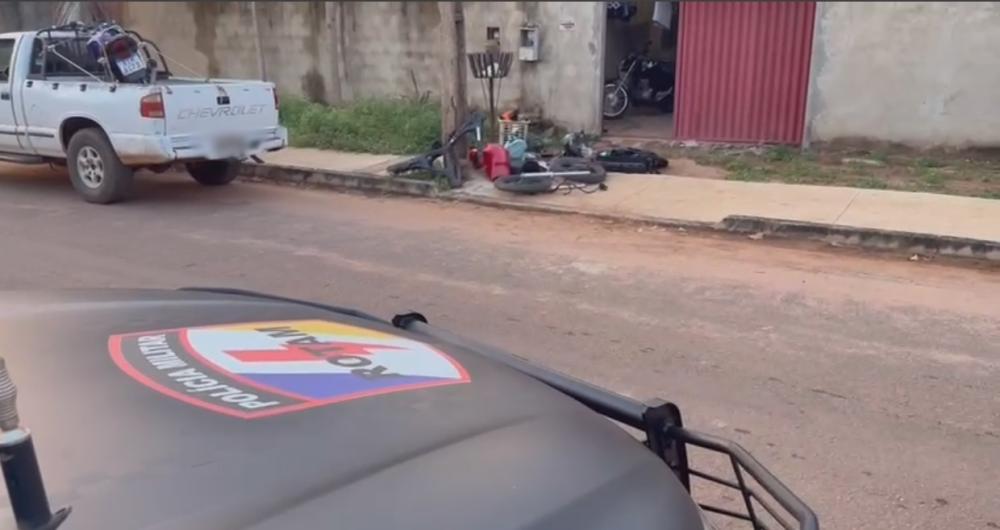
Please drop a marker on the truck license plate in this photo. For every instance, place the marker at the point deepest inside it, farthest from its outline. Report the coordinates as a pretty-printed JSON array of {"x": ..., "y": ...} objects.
[
  {"x": 131, "y": 65},
  {"x": 229, "y": 147}
]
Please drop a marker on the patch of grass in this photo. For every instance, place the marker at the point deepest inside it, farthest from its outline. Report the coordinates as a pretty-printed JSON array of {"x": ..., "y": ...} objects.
[
  {"x": 743, "y": 170},
  {"x": 809, "y": 156},
  {"x": 927, "y": 163},
  {"x": 880, "y": 156},
  {"x": 390, "y": 126},
  {"x": 795, "y": 168},
  {"x": 989, "y": 176},
  {"x": 808, "y": 172},
  {"x": 710, "y": 158},
  {"x": 291, "y": 110},
  {"x": 872, "y": 183},
  {"x": 931, "y": 178},
  {"x": 780, "y": 154},
  {"x": 949, "y": 173}
]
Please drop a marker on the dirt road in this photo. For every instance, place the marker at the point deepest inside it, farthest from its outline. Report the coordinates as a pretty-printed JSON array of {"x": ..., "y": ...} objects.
[{"x": 869, "y": 383}]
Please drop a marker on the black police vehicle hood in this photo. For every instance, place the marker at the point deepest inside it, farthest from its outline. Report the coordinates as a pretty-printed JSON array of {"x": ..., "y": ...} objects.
[{"x": 192, "y": 410}]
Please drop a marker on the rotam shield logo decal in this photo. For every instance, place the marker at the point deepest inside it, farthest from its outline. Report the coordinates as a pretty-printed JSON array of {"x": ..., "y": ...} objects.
[{"x": 263, "y": 369}]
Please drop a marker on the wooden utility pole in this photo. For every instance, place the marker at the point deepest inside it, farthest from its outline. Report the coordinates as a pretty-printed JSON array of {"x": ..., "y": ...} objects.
[
  {"x": 261, "y": 67},
  {"x": 454, "y": 99}
]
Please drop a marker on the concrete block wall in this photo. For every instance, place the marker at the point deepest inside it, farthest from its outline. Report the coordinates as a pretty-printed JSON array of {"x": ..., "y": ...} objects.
[
  {"x": 508, "y": 16},
  {"x": 339, "y": 51},
  {"x": 388, "y": 48},
  {"x": 217, "y": 39},
  {"x": 919, "y": 73},
  {"x": 566, "y": 84},
  {"x": 20, "y": 15}
]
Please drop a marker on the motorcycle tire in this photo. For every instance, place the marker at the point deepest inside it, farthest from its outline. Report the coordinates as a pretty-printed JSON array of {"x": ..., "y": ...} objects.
[
  {"x": 618, "y": 98},
  {"x": 525, "y": 185},
  {"x": 568, "y": 163}
]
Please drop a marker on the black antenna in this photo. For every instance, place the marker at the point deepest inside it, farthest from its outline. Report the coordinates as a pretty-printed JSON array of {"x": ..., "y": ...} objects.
[{"x": 20, "y": 466}]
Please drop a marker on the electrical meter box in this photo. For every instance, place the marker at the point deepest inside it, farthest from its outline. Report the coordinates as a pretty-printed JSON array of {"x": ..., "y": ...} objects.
[{"x": 528, "y": 50}]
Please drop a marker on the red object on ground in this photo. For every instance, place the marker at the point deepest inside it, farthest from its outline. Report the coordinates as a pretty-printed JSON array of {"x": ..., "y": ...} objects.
[
  {"x": 476, "y": 158},
  {"x": 496, "y": 160}
]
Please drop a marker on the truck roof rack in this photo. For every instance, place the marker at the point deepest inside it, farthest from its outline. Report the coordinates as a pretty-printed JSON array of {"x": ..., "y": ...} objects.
[{"x": 81, "y": 30}]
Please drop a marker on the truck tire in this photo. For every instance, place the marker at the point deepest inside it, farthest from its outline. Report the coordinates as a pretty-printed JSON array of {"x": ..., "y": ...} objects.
[
  {"x": 97, "y": 173},
  {"x": 214, "y": 172}
]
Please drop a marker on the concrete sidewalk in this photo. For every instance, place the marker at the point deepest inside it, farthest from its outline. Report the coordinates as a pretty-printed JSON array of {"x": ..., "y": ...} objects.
[
  {"x": 308, "y": 158},
  {"x": 836, "y": 212},
  {"x": 711, "y": 201}
]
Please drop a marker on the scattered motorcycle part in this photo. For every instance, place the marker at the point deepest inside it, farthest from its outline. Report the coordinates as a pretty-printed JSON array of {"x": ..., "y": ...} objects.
[
  {"x": 496, "y": 161},
  {"x": 517, "y": 149},
  {"x": 450, "y": 169},
  {"x": 575, "y": 144},
  {"x": 630, "y": 160},
  {"x": 532, "y": 165},
  {"x": 526, "y": 184},
  {"x": 577, "y": 170}
]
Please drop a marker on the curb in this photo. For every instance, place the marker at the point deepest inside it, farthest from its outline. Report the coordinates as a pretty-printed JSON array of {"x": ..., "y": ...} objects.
[
  {"x": 338, "y": 180},
  {"x": 836, "y": 235},
  {"x": 910, "y": 242}
]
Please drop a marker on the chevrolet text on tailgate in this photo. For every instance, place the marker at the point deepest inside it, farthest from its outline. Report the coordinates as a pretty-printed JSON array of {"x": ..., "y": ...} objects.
[{"x": 102, "y": 100}]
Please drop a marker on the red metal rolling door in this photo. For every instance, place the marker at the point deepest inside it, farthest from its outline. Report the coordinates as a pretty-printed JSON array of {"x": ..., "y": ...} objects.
[{"x": 743, "y": 71}]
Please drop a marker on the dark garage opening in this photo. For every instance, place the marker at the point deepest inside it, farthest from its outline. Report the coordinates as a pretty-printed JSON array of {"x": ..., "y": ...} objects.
[{"x": 648, "y": 29}]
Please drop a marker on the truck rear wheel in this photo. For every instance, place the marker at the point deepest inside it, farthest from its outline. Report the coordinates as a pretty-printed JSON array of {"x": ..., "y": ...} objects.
[
  {"x": 95, "y": 170},
  {"x": 214, "y": 172}
]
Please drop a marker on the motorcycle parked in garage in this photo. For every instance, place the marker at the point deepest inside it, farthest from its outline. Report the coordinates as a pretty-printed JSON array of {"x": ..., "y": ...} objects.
[{"x": 641, "y": 81}]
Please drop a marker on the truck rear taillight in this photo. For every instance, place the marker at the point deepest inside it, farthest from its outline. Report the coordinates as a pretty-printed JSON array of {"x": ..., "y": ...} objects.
[
  {"x": 275, "y": 90},
  {"x": 151, "y": 106}
]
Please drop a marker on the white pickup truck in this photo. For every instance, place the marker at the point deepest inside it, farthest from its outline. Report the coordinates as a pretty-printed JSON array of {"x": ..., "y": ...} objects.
[{"x": 60, "y": 105}]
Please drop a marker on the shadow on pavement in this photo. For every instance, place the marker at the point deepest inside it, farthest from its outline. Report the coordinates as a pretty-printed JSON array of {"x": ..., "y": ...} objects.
[{"x": 47, "y": 183}]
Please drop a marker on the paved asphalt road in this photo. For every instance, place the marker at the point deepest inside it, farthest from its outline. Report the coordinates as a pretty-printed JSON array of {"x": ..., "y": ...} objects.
[{"x": 869, "y": 383}]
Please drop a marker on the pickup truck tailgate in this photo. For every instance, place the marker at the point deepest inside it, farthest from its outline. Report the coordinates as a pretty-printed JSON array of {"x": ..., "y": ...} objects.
[{"x": 208, "y": 113}]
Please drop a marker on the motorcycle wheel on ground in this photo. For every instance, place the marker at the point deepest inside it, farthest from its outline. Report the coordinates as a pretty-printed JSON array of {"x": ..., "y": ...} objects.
[{"x": 616, "y": 100}]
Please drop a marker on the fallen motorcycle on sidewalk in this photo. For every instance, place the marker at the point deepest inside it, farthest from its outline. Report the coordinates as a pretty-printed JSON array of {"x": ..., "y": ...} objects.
[{"x": 563, "y": 173}]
